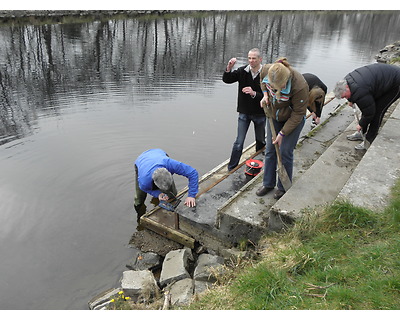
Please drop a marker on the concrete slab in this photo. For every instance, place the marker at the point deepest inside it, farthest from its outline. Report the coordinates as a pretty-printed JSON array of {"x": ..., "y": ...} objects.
[
  {"x": 247, "y": 216},
  {"x": 369, "y": 185},
  {"x": 320, "y": 184},
  {"x": 231, "y": 211}
]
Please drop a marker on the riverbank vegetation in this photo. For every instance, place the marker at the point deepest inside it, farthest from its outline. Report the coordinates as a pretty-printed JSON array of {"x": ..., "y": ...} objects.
[{"x": 340, "y": 257}]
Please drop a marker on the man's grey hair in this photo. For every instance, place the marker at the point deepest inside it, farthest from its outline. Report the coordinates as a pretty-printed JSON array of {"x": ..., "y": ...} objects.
[
  {"x": 162, "y": 179},
  {"x": 256, "y": 51},
  {"x": 340, "y": 89}
]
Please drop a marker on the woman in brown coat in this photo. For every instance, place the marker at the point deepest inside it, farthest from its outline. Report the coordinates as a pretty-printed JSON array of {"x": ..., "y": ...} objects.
[{"x": 286, "y": 96}]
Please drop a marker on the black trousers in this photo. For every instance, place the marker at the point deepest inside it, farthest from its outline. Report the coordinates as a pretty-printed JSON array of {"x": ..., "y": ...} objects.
[{"x": 382, "y": 105}]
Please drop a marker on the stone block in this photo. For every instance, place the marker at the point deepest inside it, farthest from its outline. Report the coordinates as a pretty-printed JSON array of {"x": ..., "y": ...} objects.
[
  {"x": 144, "y": 261},
  {"x": 182, "y": 292},
  {"x": 201, "y": 286},
  {"x": 138, "y": 283},
  {"x": 206, "y": 267},
  {"x": 175, "y": 265}
]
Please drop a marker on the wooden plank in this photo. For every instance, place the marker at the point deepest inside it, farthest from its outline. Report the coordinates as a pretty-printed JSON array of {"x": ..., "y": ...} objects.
[{"x": 167, "y": 232}]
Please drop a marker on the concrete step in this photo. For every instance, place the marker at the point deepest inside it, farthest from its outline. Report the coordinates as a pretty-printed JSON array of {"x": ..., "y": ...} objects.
[
  {"x": 325, "y": 166},
  {"x": 363, "y": 178},
  {"x": 246, "y": 215},
  {"x": 369, "y": 185}
]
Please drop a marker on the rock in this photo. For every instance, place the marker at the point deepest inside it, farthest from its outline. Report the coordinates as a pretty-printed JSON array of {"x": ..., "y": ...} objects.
[
  {"x": 233, "y": 254},
  {"x": 201, "y": 286},
  {"x": 137, "y": 284},
  {"x": 145, "y": 261},
  {"x": 174, "y": 267},
  {"x": 206, "y": 267},
  {"x": 389, "y": 52},
  {"x": 182, "y": 292}
]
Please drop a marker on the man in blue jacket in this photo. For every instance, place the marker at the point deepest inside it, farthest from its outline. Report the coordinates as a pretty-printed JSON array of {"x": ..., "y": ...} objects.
[
  {"x": 373, "y": 88},
  {"x": 248, "y": 103},
  {"x": 154, "y": 170}
]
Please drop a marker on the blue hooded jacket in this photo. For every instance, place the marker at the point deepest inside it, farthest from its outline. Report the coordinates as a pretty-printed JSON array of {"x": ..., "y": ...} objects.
[{"x": 153, "y": 159}]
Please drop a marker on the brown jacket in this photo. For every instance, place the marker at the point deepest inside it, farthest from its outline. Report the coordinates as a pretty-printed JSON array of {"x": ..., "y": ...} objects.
[{"x": 292, "y": 111}]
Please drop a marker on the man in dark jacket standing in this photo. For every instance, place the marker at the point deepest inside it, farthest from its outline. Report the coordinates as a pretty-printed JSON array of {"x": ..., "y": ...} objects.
[
  {"x": 373, "y": 88},
  {"x": 248, "y": 103}
]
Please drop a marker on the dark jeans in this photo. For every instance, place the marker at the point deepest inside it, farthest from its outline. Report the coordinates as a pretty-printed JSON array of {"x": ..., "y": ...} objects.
[
  {"x": 382, "y": 104},
  {"x": 244, "y": 121},
  {"x": 286, "y": 149}
]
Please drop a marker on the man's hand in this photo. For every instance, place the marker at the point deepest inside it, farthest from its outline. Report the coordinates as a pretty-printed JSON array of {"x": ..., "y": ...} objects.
[
  {"x": 249, "y": 90},
  {"x": 190, "y": 202},
  {"x": 230, "y": 65},
  {"x": 162, "y": 196}
]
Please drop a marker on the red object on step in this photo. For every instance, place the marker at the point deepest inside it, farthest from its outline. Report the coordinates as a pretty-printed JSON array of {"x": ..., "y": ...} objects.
[{"x": 253, "y": 167}]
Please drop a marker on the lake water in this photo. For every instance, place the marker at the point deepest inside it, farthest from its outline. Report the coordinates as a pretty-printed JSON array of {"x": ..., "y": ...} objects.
[{"x": 79, "y": 102}]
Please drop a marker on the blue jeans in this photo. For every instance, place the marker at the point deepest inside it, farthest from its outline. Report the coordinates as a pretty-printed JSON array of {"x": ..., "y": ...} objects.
[
  {"x": 287, "y": 146},
  {"x": 244, "y": 121}
]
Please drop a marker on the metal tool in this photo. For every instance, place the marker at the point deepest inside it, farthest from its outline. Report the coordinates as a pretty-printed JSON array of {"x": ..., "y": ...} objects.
[
  {"x": 282, "y": 173},
  {"x": 169, "y": 206}
]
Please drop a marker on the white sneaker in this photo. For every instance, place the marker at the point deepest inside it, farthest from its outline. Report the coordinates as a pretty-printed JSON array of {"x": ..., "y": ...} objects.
[
  {"x": 363, "y": 145},
  {"x": 356, "y": 136}
]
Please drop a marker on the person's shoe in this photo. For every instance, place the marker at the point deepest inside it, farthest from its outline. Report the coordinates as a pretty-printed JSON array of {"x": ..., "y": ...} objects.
[
  {"x": 356, "y": 136},
  {"x": 363, "y": 145},
  {"x": 263, "y": 191},
  {"x": 278, "y": 194}
]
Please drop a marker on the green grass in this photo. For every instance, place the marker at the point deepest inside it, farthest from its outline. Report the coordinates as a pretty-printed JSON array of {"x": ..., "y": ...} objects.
[
  {"x": 394, "y": 60},
  {"x": 340, "y": 257}
]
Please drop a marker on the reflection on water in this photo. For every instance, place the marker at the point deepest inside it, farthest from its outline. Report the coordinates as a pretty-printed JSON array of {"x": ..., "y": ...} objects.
[{"x": 79, "y": 102}]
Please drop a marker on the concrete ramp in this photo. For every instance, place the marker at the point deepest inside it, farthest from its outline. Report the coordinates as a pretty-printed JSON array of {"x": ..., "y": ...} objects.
[
  {"x": 370, "y": 183},
  {"x": 320, "y": 184},
  {"x": 341, "y": 172},
  {"x": 326, "y": 166}
]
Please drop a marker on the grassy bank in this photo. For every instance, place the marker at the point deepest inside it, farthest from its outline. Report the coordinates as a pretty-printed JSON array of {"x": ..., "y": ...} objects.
[{"x": 338, "y": 258}]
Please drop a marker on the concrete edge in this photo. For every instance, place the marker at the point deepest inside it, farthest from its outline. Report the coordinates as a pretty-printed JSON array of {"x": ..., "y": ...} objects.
[{"x": 370, "y": 184}]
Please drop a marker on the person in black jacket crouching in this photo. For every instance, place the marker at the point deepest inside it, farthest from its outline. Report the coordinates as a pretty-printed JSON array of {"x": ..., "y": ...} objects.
[
  {"x": 316, "y": 98},
  {"x": 374, "y": 88}
]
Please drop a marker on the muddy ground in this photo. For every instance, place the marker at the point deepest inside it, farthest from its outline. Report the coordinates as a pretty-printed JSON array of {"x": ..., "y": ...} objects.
[{"x": 148, "y": 241}]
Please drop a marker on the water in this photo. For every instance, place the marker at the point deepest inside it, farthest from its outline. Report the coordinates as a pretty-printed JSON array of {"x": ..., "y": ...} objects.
[{"x": 79, "y": 102}]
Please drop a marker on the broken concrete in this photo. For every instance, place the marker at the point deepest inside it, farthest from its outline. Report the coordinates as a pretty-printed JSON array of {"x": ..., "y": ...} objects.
[
  {"x": 202, "y": 286},
  {"x": 182, "y": 292},
  {"x": 144, "y": 261},
  {"x": 207, "y": 267},
  {"x": 175, "y": 266},
  {"x": 178, "y": 285},
  {"x": 139, "y": 283}
]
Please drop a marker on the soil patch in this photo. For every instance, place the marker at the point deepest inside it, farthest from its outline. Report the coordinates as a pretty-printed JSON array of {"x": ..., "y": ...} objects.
[{"x": 149, "y": 241}]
